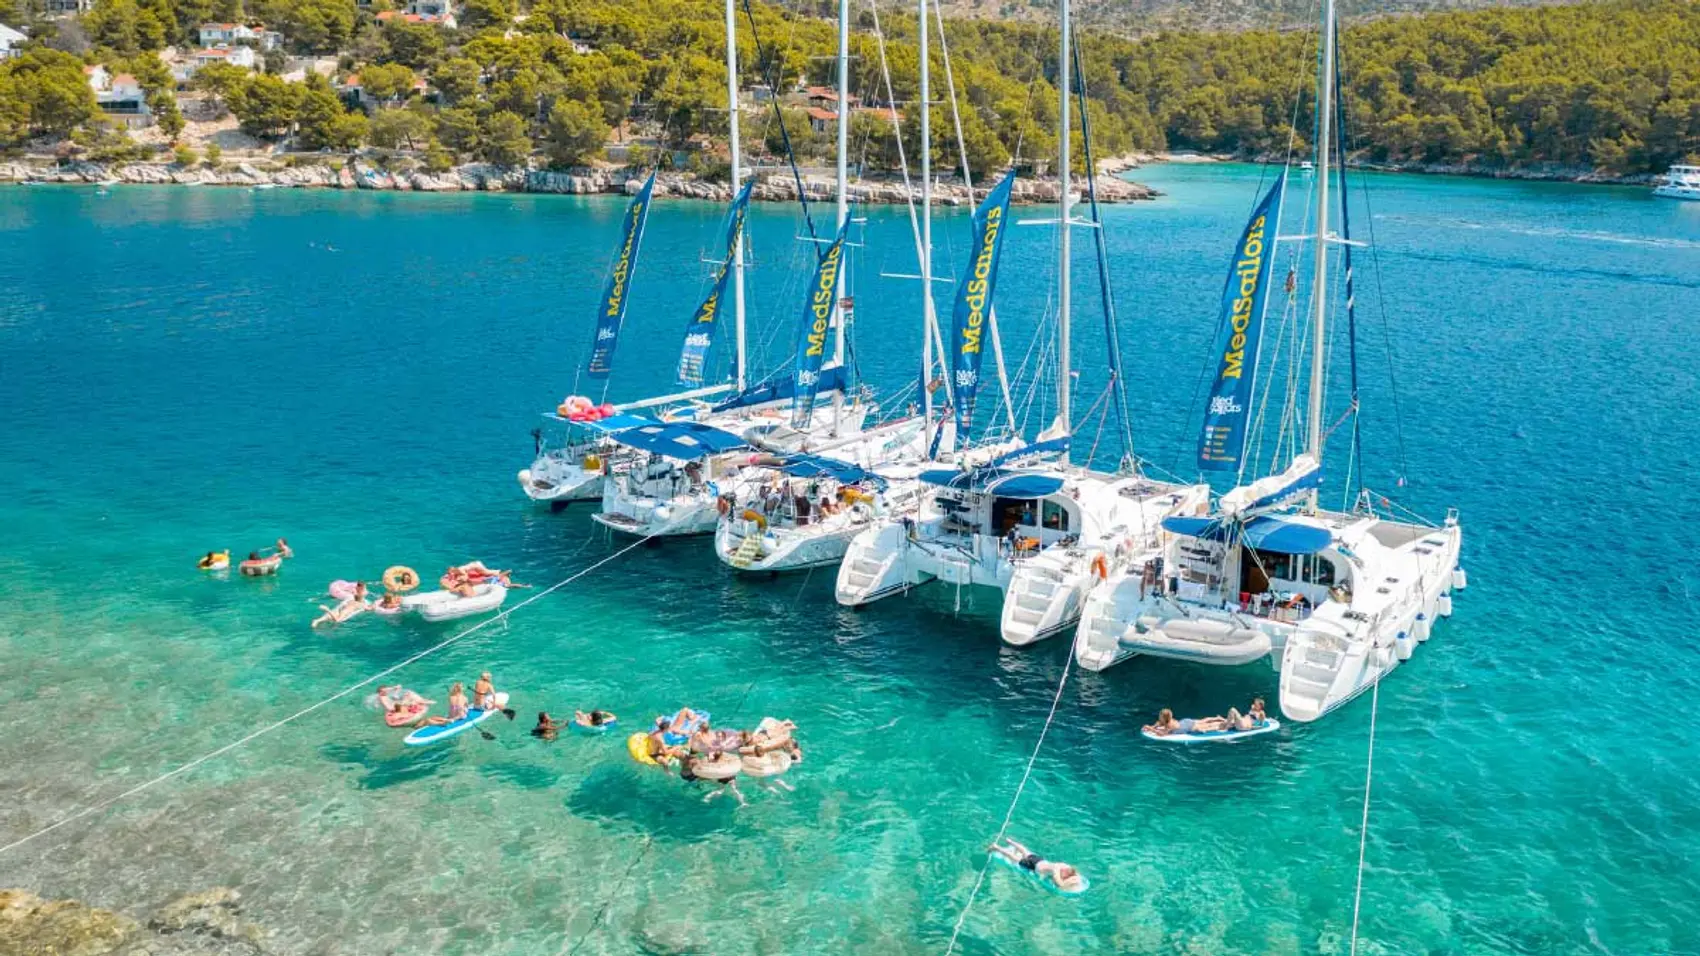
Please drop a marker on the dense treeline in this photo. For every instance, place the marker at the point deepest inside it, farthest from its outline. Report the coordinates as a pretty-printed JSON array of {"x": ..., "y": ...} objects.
[{"x": 1614, "y": 86}]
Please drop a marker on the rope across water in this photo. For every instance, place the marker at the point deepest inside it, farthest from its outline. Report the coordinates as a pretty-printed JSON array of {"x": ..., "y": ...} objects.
[
  {"x": 1026, "y": 775},
  {"x": 279, "y": 724}
]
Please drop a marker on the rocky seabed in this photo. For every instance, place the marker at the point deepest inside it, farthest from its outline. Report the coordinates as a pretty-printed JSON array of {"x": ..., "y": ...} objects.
[
  {"x": 486, "y": 178},
  {"x": 206, "y": 922}
]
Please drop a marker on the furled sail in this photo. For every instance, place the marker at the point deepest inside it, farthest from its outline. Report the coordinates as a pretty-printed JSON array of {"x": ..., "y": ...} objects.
[
  {"x": 974, "y": 299},
  {"x": 617, "y": 292},
  {"x": 812, "y": 338},
  {"x": 1221, "y": 446},
  {"x": 699, "y": 335}
]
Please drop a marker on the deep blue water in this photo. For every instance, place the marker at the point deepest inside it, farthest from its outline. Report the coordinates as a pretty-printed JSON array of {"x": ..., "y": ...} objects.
[{"x": 183, "y": 369}]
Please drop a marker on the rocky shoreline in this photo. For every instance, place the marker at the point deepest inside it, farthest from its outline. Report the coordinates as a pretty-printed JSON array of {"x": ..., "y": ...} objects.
[
  {"x": 190, "y": 925},
  {"x": 478, "y": 177}
]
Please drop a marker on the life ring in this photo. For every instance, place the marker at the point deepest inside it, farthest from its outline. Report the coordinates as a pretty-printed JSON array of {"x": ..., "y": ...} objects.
[
  {"x": 341, "y": 590},
  {"x": 720, "y": 767},
  {"x": 1101, "y": 567},
  {"x": 401, "y": 579},
  {"x": 260, "y": 567},
  {"x": 750, "y": 514}
]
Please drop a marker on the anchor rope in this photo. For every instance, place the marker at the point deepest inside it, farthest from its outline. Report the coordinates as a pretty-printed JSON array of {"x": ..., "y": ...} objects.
[
  {"x": 1363, "y": 827},
  {"x": 1009, "y": 815},
  {"x": 279, "y": 724}
]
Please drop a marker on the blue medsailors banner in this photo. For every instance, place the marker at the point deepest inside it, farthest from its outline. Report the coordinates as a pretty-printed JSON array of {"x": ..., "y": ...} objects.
[
  {"x": 974, "y": 300},
  {"x": 619, "y": 285},
  {"x": 817, "y": 323},
  {"x": 1228, "y": 416},
  {"x": 699, "y": 335}
]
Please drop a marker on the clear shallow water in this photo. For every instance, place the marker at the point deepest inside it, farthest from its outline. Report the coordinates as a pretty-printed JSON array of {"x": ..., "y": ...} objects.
[{"x": 182, "y": 369}]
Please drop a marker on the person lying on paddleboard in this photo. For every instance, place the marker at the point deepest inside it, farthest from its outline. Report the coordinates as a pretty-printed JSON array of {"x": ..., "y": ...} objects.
[
  {"x": 547, "y": 727},
  {"x": 457, "y": 707},
  {"x": 1167, "y": 724},
  {"x": 1061, "y": 875}
]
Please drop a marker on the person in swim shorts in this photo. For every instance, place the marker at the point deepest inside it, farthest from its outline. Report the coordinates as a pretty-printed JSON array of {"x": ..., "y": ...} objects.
[{"x": 1060, "y": 875}]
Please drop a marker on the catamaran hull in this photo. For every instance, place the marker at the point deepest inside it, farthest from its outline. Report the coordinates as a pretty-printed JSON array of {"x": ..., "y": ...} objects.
[{"x": 666, "y": 520}]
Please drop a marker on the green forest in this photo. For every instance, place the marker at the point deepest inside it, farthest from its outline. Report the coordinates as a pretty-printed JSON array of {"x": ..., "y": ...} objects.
[{"x": 1610, "y": 86}]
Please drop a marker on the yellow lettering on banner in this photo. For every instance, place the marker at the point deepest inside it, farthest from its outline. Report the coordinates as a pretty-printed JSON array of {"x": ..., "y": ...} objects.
[
  {"x": 1248, "y": 268},
  {"x": 821, "y": 303},
  {"x": 975, "y": 296}
]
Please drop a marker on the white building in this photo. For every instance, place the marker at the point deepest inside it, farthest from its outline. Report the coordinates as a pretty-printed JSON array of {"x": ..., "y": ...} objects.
[
  {"x": 242, "y": 56},
  {"x": 231, "y": 34},
  {"x": 99, "y": 79},
  {"x": 10, "y": 40},
  {"x": 125, "y": 102}
]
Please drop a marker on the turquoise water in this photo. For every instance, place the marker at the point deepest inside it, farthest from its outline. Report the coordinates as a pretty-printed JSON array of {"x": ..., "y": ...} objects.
[{"x": 183, "y": 369}]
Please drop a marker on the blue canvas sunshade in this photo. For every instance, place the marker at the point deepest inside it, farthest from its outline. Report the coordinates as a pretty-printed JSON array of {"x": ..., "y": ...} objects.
[
  {"x": 814, "y": 466},
  {"x": 1263, "y": 533},
  {"x": 996, "y": 481},
  {"x": 613, "y": 423},
  {"x": 686, "y": 441},
  {"x": 779, "y": 389}
]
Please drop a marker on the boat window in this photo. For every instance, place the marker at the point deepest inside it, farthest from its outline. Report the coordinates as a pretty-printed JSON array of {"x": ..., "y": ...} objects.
[
  {"x": 1010, "y": 512},
  {"x": 1056, "y": 516},
  {"x": 1319, "y": 570},
  {"x": 1276, "y": 565}
]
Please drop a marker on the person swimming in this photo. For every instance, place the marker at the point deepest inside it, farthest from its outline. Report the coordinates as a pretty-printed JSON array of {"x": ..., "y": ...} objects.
[
  {"x": 283, "y": 549},
  {"x": 1060, "y": 875},
  {"x": 547, "y": 727}
]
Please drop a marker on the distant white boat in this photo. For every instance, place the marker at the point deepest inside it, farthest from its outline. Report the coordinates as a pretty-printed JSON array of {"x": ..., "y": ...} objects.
[
  {"x": 1307, "y": 167},
  {"x": 1681, "y": 182}
]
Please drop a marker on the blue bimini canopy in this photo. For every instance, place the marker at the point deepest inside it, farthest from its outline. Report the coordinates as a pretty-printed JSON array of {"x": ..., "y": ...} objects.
[
  {"x": 686, "y": 441},
  {"x": 779, "y": 389},
  {"x": 843, "y": 472},
  {"x": 996, "y": 481},
  {"x": 1263, "y": 533}
]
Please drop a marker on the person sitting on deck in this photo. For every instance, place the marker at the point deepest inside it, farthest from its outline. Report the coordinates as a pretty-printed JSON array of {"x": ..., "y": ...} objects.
[
  {"x": 1167, "y": 724},
  {"x": 1061, "y": 875}
]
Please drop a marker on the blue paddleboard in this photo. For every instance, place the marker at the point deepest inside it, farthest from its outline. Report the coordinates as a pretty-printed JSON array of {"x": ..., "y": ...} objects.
[
  {"x": 430, "y": 734},
  {"x": 1268, "y": 725},
  {"x": 1044, "y": 884}
]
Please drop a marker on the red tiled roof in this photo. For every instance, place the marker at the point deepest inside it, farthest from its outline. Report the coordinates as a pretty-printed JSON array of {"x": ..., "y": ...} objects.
[
  {"x": 123, "y": 79},
  {"x": 218, "y": 26},
  {"x": 816, "y": 112},
  {"x": 212, "y": 51}
]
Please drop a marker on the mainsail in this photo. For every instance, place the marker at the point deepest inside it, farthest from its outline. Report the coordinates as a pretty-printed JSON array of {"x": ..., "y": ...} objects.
[
  {"x": 1221, "y": 446},
  {"x": 699, "y": 335},
  {"x": 812, "y": 338},
  {"x": 614, "y": 297},
  {"x": 974, "y": 299}
]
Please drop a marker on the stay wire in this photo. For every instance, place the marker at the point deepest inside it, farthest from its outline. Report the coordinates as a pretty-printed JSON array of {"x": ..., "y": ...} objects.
[
  {"x": 1363, "y": 827},
  {"x": 1026, "y": 775},
  {"x": 276, "y": 725},
  {"x": 601, "y": 911}
]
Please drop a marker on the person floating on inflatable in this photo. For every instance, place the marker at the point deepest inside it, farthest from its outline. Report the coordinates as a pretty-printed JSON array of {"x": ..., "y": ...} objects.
[
  {"x": 214, "y": 561},
  {"x": 1060, "y": 877}
]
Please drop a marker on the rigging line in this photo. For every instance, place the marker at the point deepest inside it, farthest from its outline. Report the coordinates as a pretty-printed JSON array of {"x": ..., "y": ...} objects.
[
  {"x": 897, "y": 137},
  {"x": 1363, "y": 828},
  {"x": 785, "y": 137},
  {"x": 648, "y": 841},
  {"x": 185, "y": 768},
  {"x": 1026, "y": 775}
]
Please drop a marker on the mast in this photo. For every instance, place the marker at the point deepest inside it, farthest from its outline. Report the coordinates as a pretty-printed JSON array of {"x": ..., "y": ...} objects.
[
  {"x": 1064, "y": 225},
  {"x": 928, "y": 320},
  {"x": 1319, "y": 290},
  {"x": 843, "y": 193},
  {"x": 737, "y": 181}
]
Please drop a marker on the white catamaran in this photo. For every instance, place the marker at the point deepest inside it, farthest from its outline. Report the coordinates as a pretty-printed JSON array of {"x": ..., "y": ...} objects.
[
  {"x": 1334, "y": 599},
  {"x": 1027, "y": 521}
]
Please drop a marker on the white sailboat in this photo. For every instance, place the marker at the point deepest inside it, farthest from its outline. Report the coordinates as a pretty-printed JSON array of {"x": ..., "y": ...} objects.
[
  {"x": 1026, "y": 521},
  {"x": 683, "y": 473},
  {"x": 1334, "y": 599}
]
